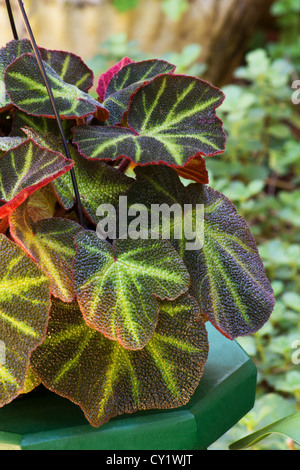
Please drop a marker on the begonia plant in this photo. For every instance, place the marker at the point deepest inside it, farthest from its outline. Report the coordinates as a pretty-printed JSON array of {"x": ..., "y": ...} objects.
[{"x": 115, "y": 323}]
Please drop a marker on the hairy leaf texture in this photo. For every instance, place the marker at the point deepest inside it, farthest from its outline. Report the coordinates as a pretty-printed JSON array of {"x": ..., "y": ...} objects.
[
  {"x": 68, "y": 66},
  {"x": 7, "y": 55},
  {"x": 227, "y": 275},
  {"x": 9, "y": 143},
  {"x": 42, "y": 125},
  {"x": 118, "y": 285},
  {"x": 106, "y": 380},
  {"x": 126, "y": 81},
  {"x": 50, "y": 243},
  {"x": 25, "y": 86},
  {"x": 106, "y": 77},
  {"x": 24, "y": 309},
  {"x": 97, "y": 182},
  {"x": 170, "y": 119},
  {"x": 25, "y": 169}
]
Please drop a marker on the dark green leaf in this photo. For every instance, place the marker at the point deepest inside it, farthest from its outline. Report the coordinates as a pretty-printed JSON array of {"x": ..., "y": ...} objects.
[
  {"x": 227, "y": 275},
  {"x": 68, "y": 66},
  {"x": 117, "y": 285},
  {"x": 25, "y": 169},
  {"x": 25, "y": 86},
  {"x": 171, "y": 118},
  {"x": 126, "y": 81},
  {"x": 7, "y": 55},
  {"x": 24, "y": 309},
  {"x": 106, "y": 380}
]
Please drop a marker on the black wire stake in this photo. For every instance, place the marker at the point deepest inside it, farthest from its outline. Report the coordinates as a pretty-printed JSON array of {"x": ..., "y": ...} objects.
[
  {"x": 11, "y": 19},
  {"x": 56, "y": 113}
]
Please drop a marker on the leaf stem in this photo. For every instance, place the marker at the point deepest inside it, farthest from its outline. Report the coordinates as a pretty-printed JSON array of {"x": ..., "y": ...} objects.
[
  {"x": 125, "y": 163},
  {"x": 56, "y": 113},
  {"x": 11, "y": 19}
]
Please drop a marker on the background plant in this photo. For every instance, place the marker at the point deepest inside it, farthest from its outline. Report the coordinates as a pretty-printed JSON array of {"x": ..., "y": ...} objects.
[{"x": 265, "y": 188}]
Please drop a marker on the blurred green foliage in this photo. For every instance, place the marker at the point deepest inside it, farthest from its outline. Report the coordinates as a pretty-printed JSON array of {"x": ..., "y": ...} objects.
[
  {"x": 171, "y": 8},
  {"x": 118, "y": 46},
  {"x": 287, "y": 13},
  {"x": 260, "y": 172}
]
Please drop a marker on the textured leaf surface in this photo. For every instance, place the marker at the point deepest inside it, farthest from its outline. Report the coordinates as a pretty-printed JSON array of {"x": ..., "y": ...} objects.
[
  {"x": 97, "y": 182},
  {"x": 171, "y": 118},
  {"x": 50, "y": 243},
  {"x": 25, "y": 169},
  {"x": 68, "y": 66},
  {"x": 25, "y": 87},
  {"x": 8, "y": 143},
  {"x": 24, "y": 309},
  {"x": 117, "y": 286},
  {"x": 227, "y": 275},
  {"x": 32, "y": 381},
  {"x": 42, "y": 125},
  {"x": 106, "y": 77},
  {"x": 7, "y": 55},
  {"x": 125, "y": 82},
  {"x": 237, "y": 296},
  {"x": 107, "y": 380}
]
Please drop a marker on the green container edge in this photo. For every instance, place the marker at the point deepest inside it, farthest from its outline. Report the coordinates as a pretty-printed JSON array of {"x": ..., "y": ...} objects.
[{"x": 225, "y": 394}]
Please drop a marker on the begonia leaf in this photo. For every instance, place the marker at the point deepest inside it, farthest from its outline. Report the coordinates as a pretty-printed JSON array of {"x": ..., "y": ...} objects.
[
  {"x": 97, "y": 182},
  {"x": 106, "y": 380},
  {"x": 227, "y": 275},
  {"x": 24, "y": 309},
  {"x": 42, "y": 204},
  {"x": 32, "y": 381},
  {"x": 170, "y": 119},
  {"x": 40, "y": 124},
  {"x": 68, "y": 66},
  {"x": 50, "y": 243},
  {"x": 126, "y": 81},
  {"x": 117, "y": 285},
  {"x": 7, "y": 55},
  {"x": 106, "y": 77},
  {"x": 194, "y": 169},
  {"x": 25, "y": 169},
  {"x": 25, "y": 86},
  {"x": 8, "y": 143}
]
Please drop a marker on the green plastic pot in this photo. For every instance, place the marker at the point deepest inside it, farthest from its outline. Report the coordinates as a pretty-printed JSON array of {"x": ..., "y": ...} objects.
[{"x": 42, "y": 420}]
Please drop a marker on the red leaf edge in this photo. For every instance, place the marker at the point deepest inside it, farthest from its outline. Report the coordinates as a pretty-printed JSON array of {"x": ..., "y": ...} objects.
[
  {"x": 106, "y": 77},
  {"x": 21, "y": 197},
  {"x": 103, "y": 112},
  {"x": 194, "y": 169}
]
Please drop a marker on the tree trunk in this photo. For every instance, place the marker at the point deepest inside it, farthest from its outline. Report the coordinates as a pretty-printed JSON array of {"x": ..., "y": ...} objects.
[{"x": 221, "y": 27}]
